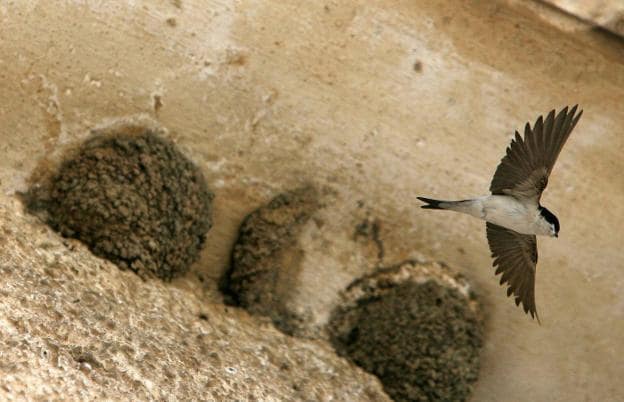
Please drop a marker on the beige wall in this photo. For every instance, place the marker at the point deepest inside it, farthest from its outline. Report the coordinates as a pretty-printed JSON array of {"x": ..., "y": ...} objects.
[{"x": 380, "y": 101}]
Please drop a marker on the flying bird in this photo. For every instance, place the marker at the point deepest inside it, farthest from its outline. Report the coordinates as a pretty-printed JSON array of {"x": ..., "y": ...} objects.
[{"x": 513, "y": 213}]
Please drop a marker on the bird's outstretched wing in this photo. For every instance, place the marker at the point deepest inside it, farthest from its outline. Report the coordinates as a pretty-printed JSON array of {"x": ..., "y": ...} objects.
[
  {"x": 523, "y": 172},
  {"x": 515, "y": 254}
]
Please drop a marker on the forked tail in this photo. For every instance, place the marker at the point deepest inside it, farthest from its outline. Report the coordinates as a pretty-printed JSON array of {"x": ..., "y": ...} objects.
[
  {"x": 471, "y": 207},
  {"x": 432, "y": 204}
]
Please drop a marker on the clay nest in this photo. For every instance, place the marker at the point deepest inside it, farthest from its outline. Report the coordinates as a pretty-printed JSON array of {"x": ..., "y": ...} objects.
[
  {"x": 264, "y": 258},
  {"x": 418, "y": 330},
  {"x": 133, "y": 198}
]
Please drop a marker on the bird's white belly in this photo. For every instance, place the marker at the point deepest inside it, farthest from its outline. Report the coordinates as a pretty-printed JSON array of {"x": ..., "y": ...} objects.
[{"x": 510, "y": 213}]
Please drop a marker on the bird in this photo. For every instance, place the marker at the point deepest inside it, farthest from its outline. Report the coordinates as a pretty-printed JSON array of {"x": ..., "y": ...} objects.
[{"x": 512, "y": 211}]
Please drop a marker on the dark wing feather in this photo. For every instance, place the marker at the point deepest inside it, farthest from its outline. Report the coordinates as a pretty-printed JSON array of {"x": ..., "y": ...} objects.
[
  {"x": 515, "y": 256},
  {"x": 523, "y": 172}
]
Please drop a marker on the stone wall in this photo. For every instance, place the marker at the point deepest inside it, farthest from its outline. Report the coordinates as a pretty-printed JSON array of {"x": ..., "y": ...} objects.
[{"x": 373, "y": 103}]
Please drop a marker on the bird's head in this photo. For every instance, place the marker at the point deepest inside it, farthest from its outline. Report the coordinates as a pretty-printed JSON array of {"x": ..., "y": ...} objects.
[{"x": 552, "y": 221}]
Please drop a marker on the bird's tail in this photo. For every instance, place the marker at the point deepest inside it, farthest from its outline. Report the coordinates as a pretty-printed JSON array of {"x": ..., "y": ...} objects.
[
  {"x": 432, "y": 204},
  {"x": 459, "y": 206}
]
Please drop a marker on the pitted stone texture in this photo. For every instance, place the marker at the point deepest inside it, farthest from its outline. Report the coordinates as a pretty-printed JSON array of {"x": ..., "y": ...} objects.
[{"x": 73, "y": 326}]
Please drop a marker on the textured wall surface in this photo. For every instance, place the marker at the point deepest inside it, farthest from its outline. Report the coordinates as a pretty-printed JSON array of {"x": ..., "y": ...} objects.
[
  {"x": 74, "y": 327},
  {"x": 377, "y": 101}
]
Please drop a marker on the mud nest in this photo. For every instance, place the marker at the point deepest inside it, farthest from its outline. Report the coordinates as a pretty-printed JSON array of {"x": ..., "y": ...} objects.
[
  {"x": 421, "y": 339},
  {"x": 264, "y": 257},
  {"x": 133, "y": 198}
]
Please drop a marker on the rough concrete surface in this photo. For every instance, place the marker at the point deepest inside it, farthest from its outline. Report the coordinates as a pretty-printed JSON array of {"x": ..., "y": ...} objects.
[
  {"x": 380, "y": 101},
  {"x": 73, "y": 326}
]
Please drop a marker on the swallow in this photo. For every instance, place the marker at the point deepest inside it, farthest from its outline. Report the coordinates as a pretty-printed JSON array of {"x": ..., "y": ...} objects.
[{"x": 513, "y": 213}]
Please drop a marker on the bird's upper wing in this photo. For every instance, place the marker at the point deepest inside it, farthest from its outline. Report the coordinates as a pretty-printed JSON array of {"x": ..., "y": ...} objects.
[
  {"x": 515, "y": 254},
  {"x": 523, "y": 172}
]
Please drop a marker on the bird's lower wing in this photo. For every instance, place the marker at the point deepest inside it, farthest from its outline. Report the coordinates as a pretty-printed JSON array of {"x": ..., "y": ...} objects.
[{"x": 515, "y": 256}]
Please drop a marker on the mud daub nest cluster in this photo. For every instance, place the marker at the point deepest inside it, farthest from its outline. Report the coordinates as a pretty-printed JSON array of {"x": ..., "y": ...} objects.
[
  {"x": 415, "y": 326},
  {"x": 133, "y": 198}
]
